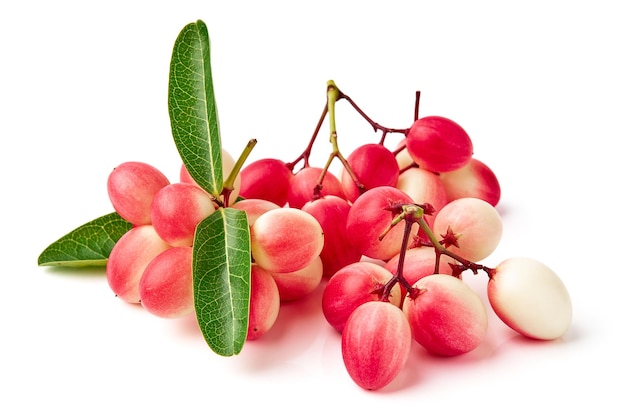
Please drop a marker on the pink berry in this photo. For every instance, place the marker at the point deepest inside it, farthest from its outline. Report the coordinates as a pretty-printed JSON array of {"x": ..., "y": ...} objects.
[
  {"x": 369, "y": 217},
  {"x": 131, "y": 187},
  {"x": 285, "y": 239},
  {"x": 302, "y": 186},
  {"x": 266, "y": 179},
  {"x": 332, "y": 214},
  {"x": 475, "y": 179},
  {"x": 128, "y": 259},
  {"x": 438, "y": 144},
  {"x": 177, "y": 209},
  {"x": 375, "y": 344},
  {"x": 166, "y": 285},
  {"x": 476, "y": 223},
  {"x": 423, "y": 186},
  {"x": 352, "y": 286},
  {"x": 446, "y": 317},
  {"x": 373, "y": 165},
  {"x": 298, "y": 284},
  {"x": 264, "y": 302}
]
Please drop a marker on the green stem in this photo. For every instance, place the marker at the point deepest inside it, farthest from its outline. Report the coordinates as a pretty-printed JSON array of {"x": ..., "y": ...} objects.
[{"x": 229, "y": 183}]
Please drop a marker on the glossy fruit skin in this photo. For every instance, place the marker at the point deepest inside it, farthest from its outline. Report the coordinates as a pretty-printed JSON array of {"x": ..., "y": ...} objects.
[
  {"x": 438, "y": 144},
  {"x": 285, "y": 239},
  {"x": 264, "y": 303},
  {"x": 166, "y": 285},
  {"x": 131, "y": 186},
  {"x": 375, "y": 344},
  {"x": 369, "y": 217},
  {"x": 298, "y": 284},
  {"x": 374, "y": 165},
  {"x": 477, "y": 223},
  {"x": 530, "y": 298},
  {"x": 475, "y": 179},
  {"x": 266, "y": 179},
  {"x": 332, "y": 214},
  {"x": 447, "y": 317},
  {"x": 302, "y": 186},
  {"x": 423, "y": 186},
  {"x": 129, "y": 258},
  {"x": 351, "y": 286},
  {"x": 177, "y": 209}
]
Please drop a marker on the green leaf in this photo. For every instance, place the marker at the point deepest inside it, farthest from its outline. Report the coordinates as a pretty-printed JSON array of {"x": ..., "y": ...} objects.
[
  {"x": 221, "y": 279},
  {"x": 192, "y": 108},
  {"x": 87, "y": 245}
]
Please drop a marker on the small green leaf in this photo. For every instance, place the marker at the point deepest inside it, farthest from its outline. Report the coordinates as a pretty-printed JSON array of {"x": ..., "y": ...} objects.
[
  {"x": 192, "y": 108},
  {"x": 221, "y": 279},
  {"x": 87, "y": 245}
]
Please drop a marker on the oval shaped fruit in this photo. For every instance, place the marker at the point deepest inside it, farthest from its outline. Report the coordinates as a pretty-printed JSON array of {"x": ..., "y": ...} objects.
[
  {"x": 131, "y": 186},
  {"x": 166, "y": 285},
  {"x": 530, "y": 298},
  {"x": 353, "y": 285},
  {"x": 128, "y": 259},
  {"x": 446, "y": 317},
  {"x": 285, "y": 239},
  {"x": 439, "y": 144},
  {"x": 370, "y": 216},
  {"x": 373, "y": 165},
  {"x": 375, "y": 344},
  {"x": 475, "y": 222}
]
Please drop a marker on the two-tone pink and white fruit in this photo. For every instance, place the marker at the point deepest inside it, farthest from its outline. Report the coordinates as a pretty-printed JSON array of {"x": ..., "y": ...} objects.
[
  {"x": 475, "y": 179},
  {"x": 228, "y": 163},
  {"x": 353, "y": 285},
  {"x": 438, "y": 144},
  {"x": 370, "y": 216},
  {"x": 332, "y": 214},
  {"x": 373, "y": 165},
  {"x": 266, "y": 179},
  {"x": 476, "y": 223},
  {"x": 128, "y": 259},
  {"x": 375, "y": 344},
  {"x": 423, "y": 186},
  {"x": 285, "y": 239},
  {"x": 530, "y": 298},
  {"x": 264, "y": 302},
  {"x": 131, "y": 186},
  {"x": 303, "y": 184},
  {"x": 300, "y": 283},
  {"x": 177, "y": 209},
  {"x": 446, "y": 316},
  {"x": 166, "y": 285}
]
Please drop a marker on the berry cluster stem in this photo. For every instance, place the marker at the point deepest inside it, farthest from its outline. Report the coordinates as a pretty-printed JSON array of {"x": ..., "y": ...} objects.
[{"x": 411, "y": 214}]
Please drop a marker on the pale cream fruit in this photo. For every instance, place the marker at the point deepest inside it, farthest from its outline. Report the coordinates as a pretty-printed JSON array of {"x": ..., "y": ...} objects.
[{"x": 530, "y": 298}]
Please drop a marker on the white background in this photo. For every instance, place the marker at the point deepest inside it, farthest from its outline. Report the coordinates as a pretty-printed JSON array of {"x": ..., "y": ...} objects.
[{"x": 539, "y": 86}]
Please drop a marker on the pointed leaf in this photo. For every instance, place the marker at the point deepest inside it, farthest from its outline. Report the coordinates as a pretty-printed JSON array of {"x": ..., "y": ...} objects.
[
  {"x": 221, "y": 279},
  {"x": 87, "y": 245},
  {"x": 192, "y": 108}
]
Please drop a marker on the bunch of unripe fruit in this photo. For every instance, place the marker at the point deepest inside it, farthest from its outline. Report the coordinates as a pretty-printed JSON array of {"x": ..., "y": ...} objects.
[{"x": 388, "y": 236}]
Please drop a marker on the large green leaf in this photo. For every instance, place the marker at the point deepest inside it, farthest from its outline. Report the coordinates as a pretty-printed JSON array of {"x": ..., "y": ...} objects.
[
  {"x": 192, "y": 108},
  {"x": 87, "y": 245},
  {"x": 221, "y": 279}
]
